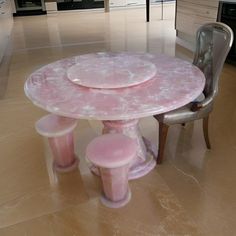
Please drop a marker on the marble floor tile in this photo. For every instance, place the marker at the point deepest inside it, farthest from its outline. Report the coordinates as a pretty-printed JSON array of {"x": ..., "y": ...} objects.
[{"x": 191, "y": 193}]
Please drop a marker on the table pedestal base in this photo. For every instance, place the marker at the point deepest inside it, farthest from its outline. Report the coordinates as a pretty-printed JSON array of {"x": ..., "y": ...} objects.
[{"x": 146, "y": 153}]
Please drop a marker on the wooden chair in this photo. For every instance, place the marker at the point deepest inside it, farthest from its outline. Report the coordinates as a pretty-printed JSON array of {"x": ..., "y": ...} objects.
[{"x": 213, "y": 42}]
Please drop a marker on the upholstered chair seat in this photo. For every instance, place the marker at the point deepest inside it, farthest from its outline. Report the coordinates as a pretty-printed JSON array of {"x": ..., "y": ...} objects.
[{"x": 184, "y": 114}]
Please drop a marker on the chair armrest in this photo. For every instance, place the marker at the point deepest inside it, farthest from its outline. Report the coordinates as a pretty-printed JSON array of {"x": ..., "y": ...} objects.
[{"x": 195, "y": 106}]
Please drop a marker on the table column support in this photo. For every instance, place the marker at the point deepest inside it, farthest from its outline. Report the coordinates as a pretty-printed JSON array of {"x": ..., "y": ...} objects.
[{"x": 145, "y": 160}]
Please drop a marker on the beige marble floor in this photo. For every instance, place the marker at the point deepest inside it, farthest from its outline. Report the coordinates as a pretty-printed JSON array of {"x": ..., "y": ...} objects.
[{"x": 191, "y": 193}]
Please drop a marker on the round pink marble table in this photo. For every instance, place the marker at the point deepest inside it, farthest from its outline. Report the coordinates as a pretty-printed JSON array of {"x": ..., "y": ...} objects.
[{"x": 175, "y": 83}]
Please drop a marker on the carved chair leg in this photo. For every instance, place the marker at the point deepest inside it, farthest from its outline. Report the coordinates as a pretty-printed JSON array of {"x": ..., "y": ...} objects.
[
  {"x": 163, "y": 130},
  {"x": 205, "y": 131}
]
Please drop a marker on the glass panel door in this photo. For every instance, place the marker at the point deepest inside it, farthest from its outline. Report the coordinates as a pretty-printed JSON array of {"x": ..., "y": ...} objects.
[
  {"x": 79, "y": 4},
  {"x": 24, "y": 5}
]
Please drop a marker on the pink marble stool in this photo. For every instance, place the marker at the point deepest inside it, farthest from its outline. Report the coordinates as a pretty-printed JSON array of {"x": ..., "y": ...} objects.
[
  {"x": 59, "y": 131},
  {"x": 113, "y": 154}
]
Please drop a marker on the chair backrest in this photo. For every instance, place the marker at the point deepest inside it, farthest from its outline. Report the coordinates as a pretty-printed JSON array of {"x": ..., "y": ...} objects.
[{"x": 213, "y": 42}]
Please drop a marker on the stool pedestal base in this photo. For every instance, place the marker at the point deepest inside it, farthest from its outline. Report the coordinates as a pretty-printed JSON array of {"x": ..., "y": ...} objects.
[
  {"x": 62, "y": 147},
  {"x": 118, "y": 204},
  {"x": 65, "y": 169}
]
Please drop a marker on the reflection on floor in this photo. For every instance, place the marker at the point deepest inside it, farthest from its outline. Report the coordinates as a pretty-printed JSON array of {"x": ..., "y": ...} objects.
[{"x": 191, "y": 193}]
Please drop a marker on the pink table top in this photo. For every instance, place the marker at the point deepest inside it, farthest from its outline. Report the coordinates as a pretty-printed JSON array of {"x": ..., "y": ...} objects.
[{"x": 175, "y": 84}]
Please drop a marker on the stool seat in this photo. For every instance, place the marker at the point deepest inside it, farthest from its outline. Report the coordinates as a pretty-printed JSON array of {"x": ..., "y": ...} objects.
[
  {"x": 111, "y": 150},
  {"x": 52, "y": 126},
  {"x": 59, "y": 131},
  {"x": 112, "y": 154}
]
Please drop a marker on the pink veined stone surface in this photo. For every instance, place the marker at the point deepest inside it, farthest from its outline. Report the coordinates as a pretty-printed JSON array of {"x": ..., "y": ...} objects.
[
  {"x": 64, "y": 158},
  {"x": 113, "y": 153},
  {"x": 110, "y": 70},
  {"x": 142, "y": 163},
  {"x": 52, "y": 125},
  {"x": 111, "y": 150},
  {"x": 59, "y": 131},
  {"x": 129, "y": 128},
  {"x": 175, "y": 84},
  {"x": 115, "y": 183}
]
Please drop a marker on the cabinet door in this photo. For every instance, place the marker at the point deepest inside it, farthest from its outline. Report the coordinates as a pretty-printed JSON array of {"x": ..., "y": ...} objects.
[
  {"x": 192, "y": 14},
  {"x": 5, "y": 25},
  {"x": 209, "y": 3},
  {"x": 24, "y": 5},
  {"x": 196, "y": 10}
]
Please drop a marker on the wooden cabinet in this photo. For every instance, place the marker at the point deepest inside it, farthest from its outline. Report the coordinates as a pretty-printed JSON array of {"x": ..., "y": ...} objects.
[
  {"x": 6, "y": 22},
  {"x": 191, "y": 14},
  {"x": 5, "y": 25}
]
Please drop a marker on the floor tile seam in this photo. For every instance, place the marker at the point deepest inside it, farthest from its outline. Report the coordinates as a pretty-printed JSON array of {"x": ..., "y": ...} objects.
[
  {"x": 69, "y": 206},
  {"x": 23, "y": 196},
  {"x": 39, "y": 189},
  {"x": 194, "y": 179},
  {"x": 11, "y": 101},
  {"x": 22, "y": 50},
  {"x": 29, "y": 195},
  {"x": 19, "y": 222},
  {"x": 103, "y": 220},
  {"x": 188, "y": 214},
  {"x": 59, "y": 46},
  {"x": 15, "y": 133},
  {"x": 181, "y": 208}
]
